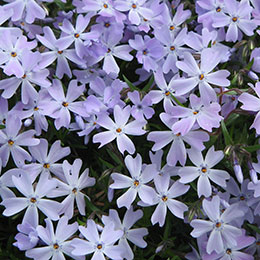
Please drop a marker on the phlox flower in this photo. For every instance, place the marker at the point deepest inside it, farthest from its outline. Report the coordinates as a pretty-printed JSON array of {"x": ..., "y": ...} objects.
[
  {"x": 119, "y": 129},
  {"x": 46, "y": 162},
  {"x": 165, "y": 199},
  {"x": 56, "y": 244},
  {"x": 201, "y": 76},
  {"x": 134, "y": 235},
  {"x": 11, "y": 141},
  {"x": 237, "y": 17},
  {"x": 62, "y": 105},
  {"x": 33, "y": 199},
  {"x": 161, "y": 138},
  {"x": 99, "y": 244},
  {"x": 137, "y": 183},
  {"x": 205, "y": 115},
  {"x": 204, "y": 171},
  {"x": 222, "y": 233},
  {"x": 72, "y": 187}
]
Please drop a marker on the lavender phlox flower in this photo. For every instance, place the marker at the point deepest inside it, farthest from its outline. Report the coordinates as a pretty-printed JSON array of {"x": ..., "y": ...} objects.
[
  {"x": 38, "y": 109},
  {"x": 252, "y": 103},
  {"x": 222, "y": 233},
  {"x": 203, "y": 170},
  {"x": 46, "y": 162},
  {"x": 56, "y": 243},
  {"x": 162, "y": 138},
  {"x": 62, "y": 105},
  {"x": 30, "y": 9},
  {"x": 103, "y": 8},
  {"x": 255, "y": 247},
  {"x": 30, "y": 29},
  {"x": 119, "y": 129},
  {"x": 237, "y": 17},
  {"x": 33, "y": 199},
  {"x": 205, "y": 115},
  {"x": 137, "y": 10},
  {"x": 137, "y": 183},
  {"x": 165, "y": 198},
  {"x": 11, "y": 141},
  {"x": 27, "y": 237},
  {"x": 201, "y": 76},
  {"x": 149, "y": 51},
  {"x": 99, "y": 244},
  {"x": 88, "y": 74},
  {"x": 242, "y": 196},
  {"x": 72, "y": 187},
  {"x": 174, "y": 23},
  {"x": 5, "y": 14},
  {"x": 172, "y": 47},
  {"x": 48, "y": 57},
  {"x": 229, "y": 103},
  {"x": 134, "y": 235},
  {"x": 12, "y": 47},
  {"x": 76, "y": 35},
  {"x": 211, "y": 9},
  {"x": 33, "y": 75},
  {"x": 233, "y": 252},
  {"x": 142, "y": 108},
  {"x": 165, "y": 91},
  {"x": 110, "y": 42}
]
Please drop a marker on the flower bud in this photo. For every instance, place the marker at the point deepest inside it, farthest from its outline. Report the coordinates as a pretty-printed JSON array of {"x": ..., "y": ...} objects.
[
  {"x": 27, "y": 122},
  {"x": 238, "y": 171}
]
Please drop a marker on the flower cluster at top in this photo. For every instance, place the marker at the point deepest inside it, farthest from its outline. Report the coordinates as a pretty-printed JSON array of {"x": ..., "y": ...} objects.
[{"x": 124, "y": 119}]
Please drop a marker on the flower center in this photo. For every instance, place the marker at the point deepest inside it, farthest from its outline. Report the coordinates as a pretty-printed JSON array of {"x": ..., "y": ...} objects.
[
  {"x": 56, "y": 246},
  {"x": 144, "y": 52},
  {"x": 218, "y": 224},
  {"x": 136, "y": 183},
  {"x": 258, "y": 243},
  {"x": 107, "y": 25},
  {"x": 10, "y": 142},
  {"x": 36, "y": 109},
  {"x": 201, "y": 76},
  {"x": 164, "y": 198},
  {"x": 218, "y": 9},
  {"x": 76, "y": 35},
  {"x": 195, "y": 112},
  {"x": 167, "y": 93},
  {"x": 65, "y": 104},
  {"x": 24, "y": 76},
  {"x": 204, "y": 169},
  {"x": 134, "y": 6},
  {"x": 172, "y": 48},
  {"x": 178, "y": 134},
  {"x": 172, "y": 27},
  {"x": 229, "y": 251},
  {"x": 99, "y": 246},
  {"x": 74, "y": 190},
  {"x": 119, "y": 130},
  {"x": 33, "y": 200},
  {"x": 46, "y": 166},
  {"x": 242, "y": 197},
  {"x": 60, "y": 52},
  {"x": 13, "y": 54},
  {"x": 145, "y": 20},
  {"x": 105, "y": 5},
  {"x": 234, "y": 19},
  {"x": 108, "y": 50},
  {"x": 4, "y": 120}
]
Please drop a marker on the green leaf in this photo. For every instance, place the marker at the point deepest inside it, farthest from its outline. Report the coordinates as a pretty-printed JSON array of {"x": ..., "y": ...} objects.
[
  {"x": 114, "y": 157},
  {"x": 2, "y": 126},
  {"x": 177, "y": 101},
  {"x": 252, "y": 148},
  {"x": 227, "y": 137},
  {"x": 149, "y": 84},
  {"x": 91, "y": 206},
  {"x": 130, "y": 84},
  {"x": 256, "y": 229},
  {"x": 250, "y": 64}
]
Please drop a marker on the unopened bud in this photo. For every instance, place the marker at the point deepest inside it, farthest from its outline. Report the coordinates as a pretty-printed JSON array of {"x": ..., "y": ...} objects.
[
  {"x": 252, "y": 172},
  {"x": 252, "y": 75},
  {"x": 158, "y": 249},
  {"x": 238, "y": 171},
  {"x": 27, "y": 122}
]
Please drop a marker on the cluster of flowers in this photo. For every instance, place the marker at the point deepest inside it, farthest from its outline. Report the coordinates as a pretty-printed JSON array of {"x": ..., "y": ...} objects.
[{"x": 68, "y": 72}]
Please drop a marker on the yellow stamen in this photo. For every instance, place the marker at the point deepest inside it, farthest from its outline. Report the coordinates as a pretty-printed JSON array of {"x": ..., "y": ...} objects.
[
  {"x": 65, "y": 104},
  {"x": 204, "y": 169},
  {"x": 107, "y": 25},
  {"x": 134, "y": 6},
  {"x": 99, "y": 246},
  {"x": 36, "y": 109},
  {"x": 33, "y": 200},
  {"x": 229, "y": 251},
  {"x": 46, "y": 166},
  {"x": 55, "y": 246},
  {"x": 164, "y": 198},
  {"x": 24, "y": 76},
  {"x": 60, "y": 52},
  {"x": 172, "y": 48},
  {"x": 144, "y": 52},
  {"x": 242, "y": 198},
  {"x": 218, "y": 9},
  {"x": 75, "y": 190},
  {"x": 10, "y": 142},
  {"x": 167, "y": 93},
  {"x": 119, "y": 130},
  {"x": 234, "y": 19},
  {"x": 13, "y": 54},
  {"x": 172, "y": 27},
  {"x": 201, "y": 77},
  {"x": 105, "y": 5},
  {"x": 218, "y": 225},
  {"x": 136, "y": 183},
  {"x": 76, "y": 35},
  {"x": 178, "y": 134},
  {"x": 195, "y": 112}
]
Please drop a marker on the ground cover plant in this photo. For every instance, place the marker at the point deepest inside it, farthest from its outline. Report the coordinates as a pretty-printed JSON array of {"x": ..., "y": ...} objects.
[{"x": 129, "y": 129}]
